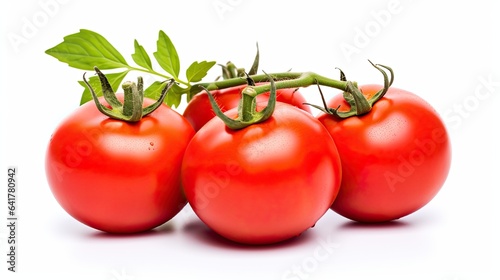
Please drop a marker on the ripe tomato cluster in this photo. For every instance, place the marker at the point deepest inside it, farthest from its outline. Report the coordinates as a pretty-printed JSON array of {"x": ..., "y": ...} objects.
[{"x": 261, "y": 184}]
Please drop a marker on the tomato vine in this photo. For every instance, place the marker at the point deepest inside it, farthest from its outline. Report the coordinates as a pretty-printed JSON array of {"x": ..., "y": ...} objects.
[{"x": 87, "y": 49}]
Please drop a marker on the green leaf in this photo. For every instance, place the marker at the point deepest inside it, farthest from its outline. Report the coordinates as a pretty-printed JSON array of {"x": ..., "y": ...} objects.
[
  {"x": 166, "y": 55},
  {"x": 115, "y": 79},
  {"x": 87, "y": 49},
  {"x": 154, "y": 90},
  {"x": 173, "y": 97},
  {"x": 198, "y": 70},
  {"x": 141, "y": 57}
]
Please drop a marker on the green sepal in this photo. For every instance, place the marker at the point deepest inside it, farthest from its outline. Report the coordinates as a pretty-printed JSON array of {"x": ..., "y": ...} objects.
[
  {"x": 131, "y": 110},
  {"x": 247, "y": 110}
]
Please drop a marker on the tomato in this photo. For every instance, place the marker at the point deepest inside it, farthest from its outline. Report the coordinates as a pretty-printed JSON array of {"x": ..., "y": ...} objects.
[
  {"x": 265, "y": 183},
  {"x": 395, "y": 158},
  {"x": 199, "y": 111},
  {"x": 116, "y": 176}
]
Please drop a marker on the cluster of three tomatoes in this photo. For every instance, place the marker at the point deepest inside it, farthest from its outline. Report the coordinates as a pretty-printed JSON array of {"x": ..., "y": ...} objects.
[{"x": 262, "y": 184}]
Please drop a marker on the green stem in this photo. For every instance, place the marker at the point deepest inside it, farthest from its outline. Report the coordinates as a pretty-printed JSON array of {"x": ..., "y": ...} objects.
[
  {"x": 188, "y": 85},
  {"x": 282, "y": 80},
  {"x": 301, "y": 80},
  {"x": 247, "y": 110},
  {"x": 132, "y": 105},
  {"x": 248, "y": 105}
]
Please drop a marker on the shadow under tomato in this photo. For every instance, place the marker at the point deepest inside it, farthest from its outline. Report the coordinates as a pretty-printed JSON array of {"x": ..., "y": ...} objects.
[
  {"x": 395, "y": 224},
  {"x": 159, "y": 230},
  {"x": 202, "y": 233}
]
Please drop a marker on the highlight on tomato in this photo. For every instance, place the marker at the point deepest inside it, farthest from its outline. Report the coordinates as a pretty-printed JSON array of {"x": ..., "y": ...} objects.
[{"x": 114, "y": 164}]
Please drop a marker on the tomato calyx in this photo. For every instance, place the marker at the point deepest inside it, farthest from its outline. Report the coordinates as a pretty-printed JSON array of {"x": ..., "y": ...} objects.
[
  {"x": 359, "y": 104},
  {"x": 131, "y": 110},
  {"x": 230, "y": 71},
  {"x": 247, "y": 109}
]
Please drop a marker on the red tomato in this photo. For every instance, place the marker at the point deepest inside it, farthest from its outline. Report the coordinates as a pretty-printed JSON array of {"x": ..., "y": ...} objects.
[
  {"x": 265, "y": 183},
  {"x": 116, "y": 176},
  {"x": 395, "y": 158},
  {"x": 199, "y": 111}
]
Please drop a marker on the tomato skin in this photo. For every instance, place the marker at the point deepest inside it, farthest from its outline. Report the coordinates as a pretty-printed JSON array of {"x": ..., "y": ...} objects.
[
  {"x": 116, "y": 176},
  {"x": 395, "y": 158},
  {"x": 265, "y": 183},
  {"x": 199, "y": 111}
]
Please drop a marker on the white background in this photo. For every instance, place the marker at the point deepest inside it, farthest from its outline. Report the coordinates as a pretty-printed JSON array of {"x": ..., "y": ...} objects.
[{"x": 446, "y": 52}]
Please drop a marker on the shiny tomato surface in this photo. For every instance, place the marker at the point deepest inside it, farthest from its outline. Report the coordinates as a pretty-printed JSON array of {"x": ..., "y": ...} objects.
[
  {"x": 395, "y": 158},
  {"x": 264, "y": 183},
  {"x": 116, "y": 176}
]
